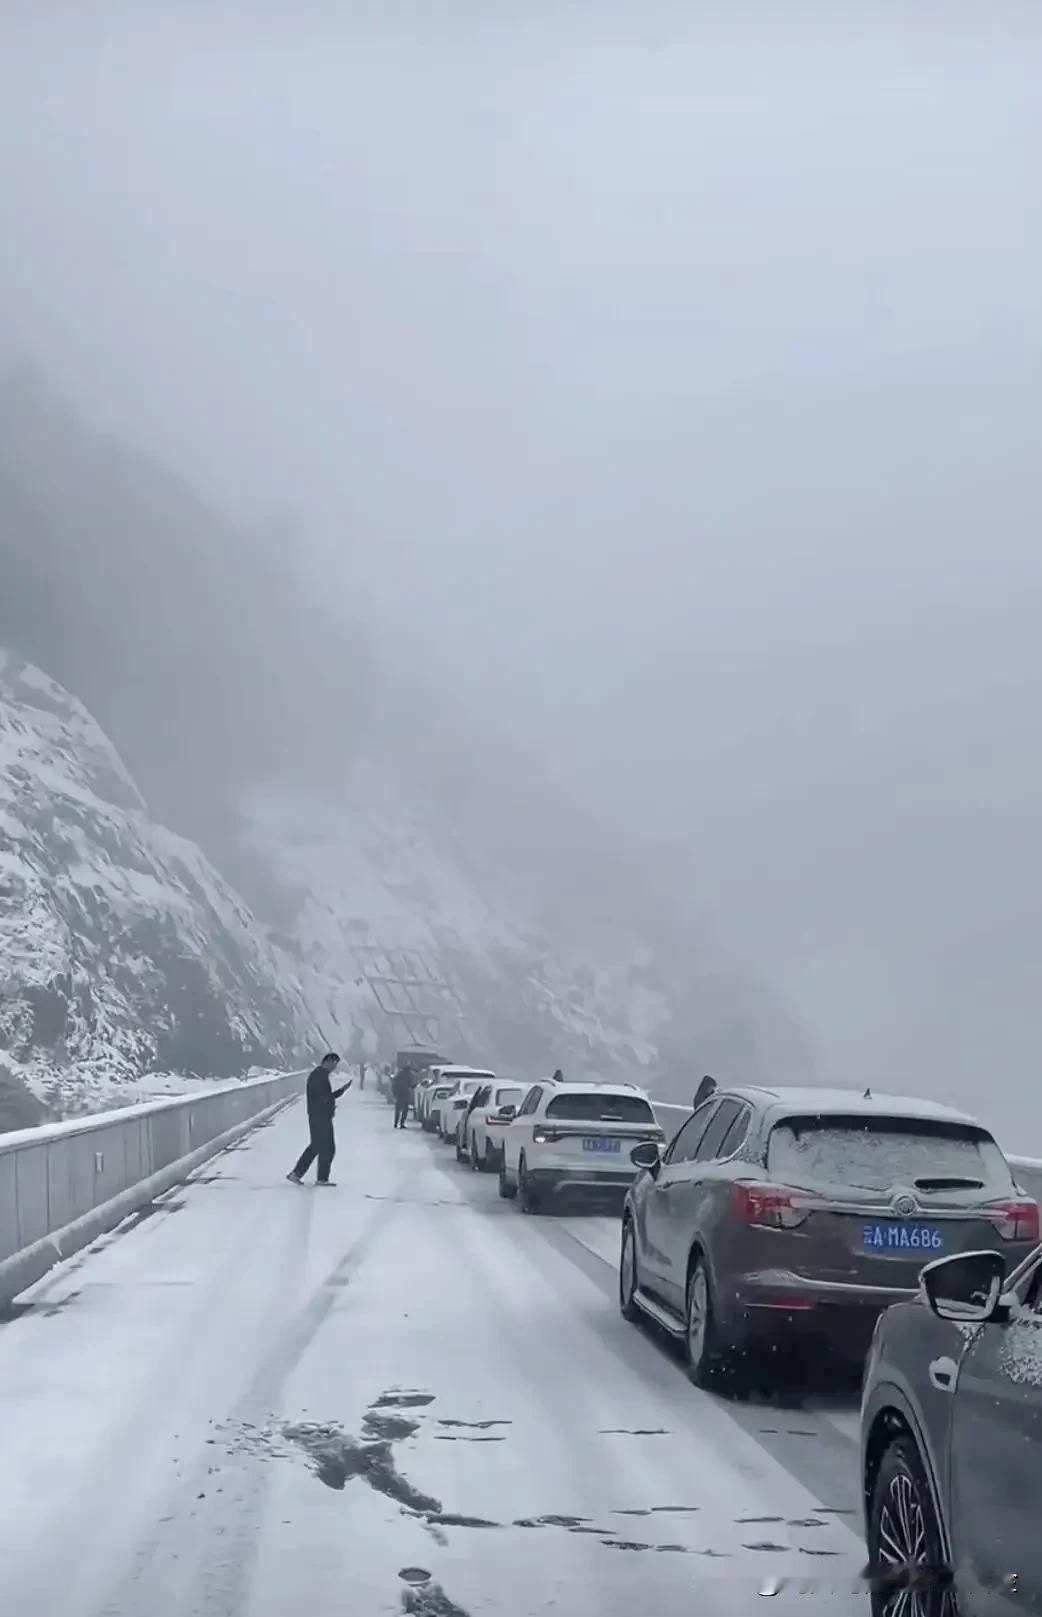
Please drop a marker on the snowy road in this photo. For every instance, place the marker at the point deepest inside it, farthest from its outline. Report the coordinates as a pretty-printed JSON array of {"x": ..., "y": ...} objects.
[{"x": 398, "y": 1395}]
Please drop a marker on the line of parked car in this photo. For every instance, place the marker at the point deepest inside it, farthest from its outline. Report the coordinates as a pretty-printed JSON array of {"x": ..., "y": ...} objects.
[
  {"x": 544, "y": 1140},
  {"x": 877, "y": 1228}
]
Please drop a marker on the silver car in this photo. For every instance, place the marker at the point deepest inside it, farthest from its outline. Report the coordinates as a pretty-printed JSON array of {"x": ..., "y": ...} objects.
[{"x": 951, "y": 1443}]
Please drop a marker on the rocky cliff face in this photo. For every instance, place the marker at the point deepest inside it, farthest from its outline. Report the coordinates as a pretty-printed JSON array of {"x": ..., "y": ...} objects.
[
  {"x": 122, "y": 951},
  {"x": 408, "y": 877}
]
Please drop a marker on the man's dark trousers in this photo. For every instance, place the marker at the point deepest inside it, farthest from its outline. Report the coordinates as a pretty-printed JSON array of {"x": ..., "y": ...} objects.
[
  {"x": 401, "y": 1112},
  {"x": 321, "y": 1145}
]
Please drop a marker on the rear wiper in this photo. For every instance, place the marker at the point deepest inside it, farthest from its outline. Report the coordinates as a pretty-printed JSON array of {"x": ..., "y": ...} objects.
[{"x": 948, "y": 1181}]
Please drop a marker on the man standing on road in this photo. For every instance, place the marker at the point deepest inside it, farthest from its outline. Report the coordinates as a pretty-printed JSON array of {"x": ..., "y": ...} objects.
[
  {"x": 401, "y": 1086},
  {"x": 321, "y": 1099}
]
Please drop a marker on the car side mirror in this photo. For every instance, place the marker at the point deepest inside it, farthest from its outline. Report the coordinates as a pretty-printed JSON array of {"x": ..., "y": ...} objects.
[
  {"x": 647, "y": 1155},
  {"x": 965, "y": 1288},
  {"x": 509, "y": 1112}
]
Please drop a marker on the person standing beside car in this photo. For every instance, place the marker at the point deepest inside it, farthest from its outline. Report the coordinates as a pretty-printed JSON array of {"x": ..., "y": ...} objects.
[
  {"x": 321, "y": 1103},
  {"x": 401, "y": 1088}
]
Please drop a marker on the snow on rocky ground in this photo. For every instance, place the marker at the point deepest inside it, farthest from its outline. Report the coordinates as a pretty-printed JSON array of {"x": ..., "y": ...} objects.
[{"x": 122, "y": 951}]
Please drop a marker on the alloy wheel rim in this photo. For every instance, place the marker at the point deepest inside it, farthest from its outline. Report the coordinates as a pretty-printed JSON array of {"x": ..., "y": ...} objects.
[
  {"x": 903, "y": 1542},
  {"x": 697, "y": 1309}
]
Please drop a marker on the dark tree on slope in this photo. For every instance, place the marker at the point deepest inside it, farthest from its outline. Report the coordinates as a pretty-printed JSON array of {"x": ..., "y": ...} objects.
[{"x": 19, "y": 1108}]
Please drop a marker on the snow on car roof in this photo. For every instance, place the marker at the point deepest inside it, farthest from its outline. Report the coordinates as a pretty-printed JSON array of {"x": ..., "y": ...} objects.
[
  {"x": 852, "y": 1103},
  {"x": 597, "y": 1089},
  {"x": 465, "y": 1072}
]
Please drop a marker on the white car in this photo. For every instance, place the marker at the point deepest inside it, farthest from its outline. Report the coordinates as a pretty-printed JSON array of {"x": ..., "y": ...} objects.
[
  {"x": 424, "y": 1092},
  {"x": 421, "y": 1095},
  {"x": 485, "y": 1121},
  {"x": 446, "y": 1109},
  {"x": 574, "y": 1137}
]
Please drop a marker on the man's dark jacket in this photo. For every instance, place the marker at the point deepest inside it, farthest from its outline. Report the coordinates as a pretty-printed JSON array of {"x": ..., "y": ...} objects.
[
  {"x": 401, "y": 1085},
  {"x": 321, "y": 1101}
]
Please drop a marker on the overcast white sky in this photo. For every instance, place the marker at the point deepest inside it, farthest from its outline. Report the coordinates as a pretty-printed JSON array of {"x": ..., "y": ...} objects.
[{"x": 671, "y": 371}]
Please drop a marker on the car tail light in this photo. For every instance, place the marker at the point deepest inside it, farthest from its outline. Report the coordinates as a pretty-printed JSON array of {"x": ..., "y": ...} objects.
[
  {"x": 775, "y": 1207},
  {"x": 1015, "y": 1221},
  {"x": 545, "y": 1136}
]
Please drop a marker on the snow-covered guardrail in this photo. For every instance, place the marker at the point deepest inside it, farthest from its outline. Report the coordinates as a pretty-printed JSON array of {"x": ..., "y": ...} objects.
[
  {"x": 670, "y": 1117},
  {"x": 1028, "y": 1174},
  {"x": 1027, "y": 1170},
  {"x": 64, "y": 1184}
]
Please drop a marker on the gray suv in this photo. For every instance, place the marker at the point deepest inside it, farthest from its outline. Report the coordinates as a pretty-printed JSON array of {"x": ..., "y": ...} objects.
[
  {"x": 782, "y": 1214},
  {"x": 951, "y": 1443}
]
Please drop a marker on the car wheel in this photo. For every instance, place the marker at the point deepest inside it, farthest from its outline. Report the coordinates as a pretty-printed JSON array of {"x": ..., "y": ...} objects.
[
  {"x": 700, "y": 1338},
  {"x": 906, "y": 1558},
  {"x": 530, "y": 1198},
  {"x": 628, "y": 1273},
  {"x": 506, "y": 1189}
]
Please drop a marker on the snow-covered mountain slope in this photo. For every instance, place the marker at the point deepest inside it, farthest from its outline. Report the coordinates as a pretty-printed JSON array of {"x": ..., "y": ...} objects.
[
  {"x": 122, "y": 951},
  {"x": 400, "y": 933},
  {"x": 423, "y": 929}
]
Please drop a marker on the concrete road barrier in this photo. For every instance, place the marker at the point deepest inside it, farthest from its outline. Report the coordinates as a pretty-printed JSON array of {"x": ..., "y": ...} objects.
[{"x": 64, "y": 1184}]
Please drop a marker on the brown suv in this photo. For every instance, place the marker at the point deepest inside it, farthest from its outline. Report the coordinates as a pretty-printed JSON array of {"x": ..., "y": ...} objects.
[{"x": 777, "y": 1212}]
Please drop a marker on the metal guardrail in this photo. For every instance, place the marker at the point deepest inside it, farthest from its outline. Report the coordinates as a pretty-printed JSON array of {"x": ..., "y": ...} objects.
[
  {"x": 1027, "y": 1170},
  {"x": 64, "y": 1184}
]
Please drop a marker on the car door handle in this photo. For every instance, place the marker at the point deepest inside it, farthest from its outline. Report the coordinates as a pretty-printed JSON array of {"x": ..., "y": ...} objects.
[{"x": 943, "y": 1373}]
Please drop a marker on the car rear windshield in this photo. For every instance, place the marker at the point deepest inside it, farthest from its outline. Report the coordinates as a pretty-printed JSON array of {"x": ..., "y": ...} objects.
[
  {"x": 601, "y": 1108},
  {"x": 879, "y": 1153}
]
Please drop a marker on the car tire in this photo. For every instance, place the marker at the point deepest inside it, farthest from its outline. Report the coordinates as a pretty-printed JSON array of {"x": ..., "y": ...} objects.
[
  {"x": 531, "y": 1201},
  {"x": 628, "y": 1283},
  {"x": 701, "y": 1343},
  {"x": 506, "y": 1190},
  {"x": 904, "y": 1531}
]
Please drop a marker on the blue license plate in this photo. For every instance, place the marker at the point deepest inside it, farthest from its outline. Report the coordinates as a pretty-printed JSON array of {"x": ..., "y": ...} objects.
[
  {"x": 891, "y": 1236},
  {"x": 600, "y": 1142}
]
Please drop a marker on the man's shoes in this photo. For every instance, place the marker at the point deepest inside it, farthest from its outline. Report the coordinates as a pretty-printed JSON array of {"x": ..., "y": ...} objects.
[
  {"x": 325, "y": 1184},
  {"x": 294, "y": 1179}
]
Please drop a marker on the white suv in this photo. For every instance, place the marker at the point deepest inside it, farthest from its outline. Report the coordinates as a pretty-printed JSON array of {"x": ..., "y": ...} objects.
[
  {"x": 574, "y": 1137},
  {"x": 486, "y": 1122},
  {"x": 446, "y": 1109}
]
